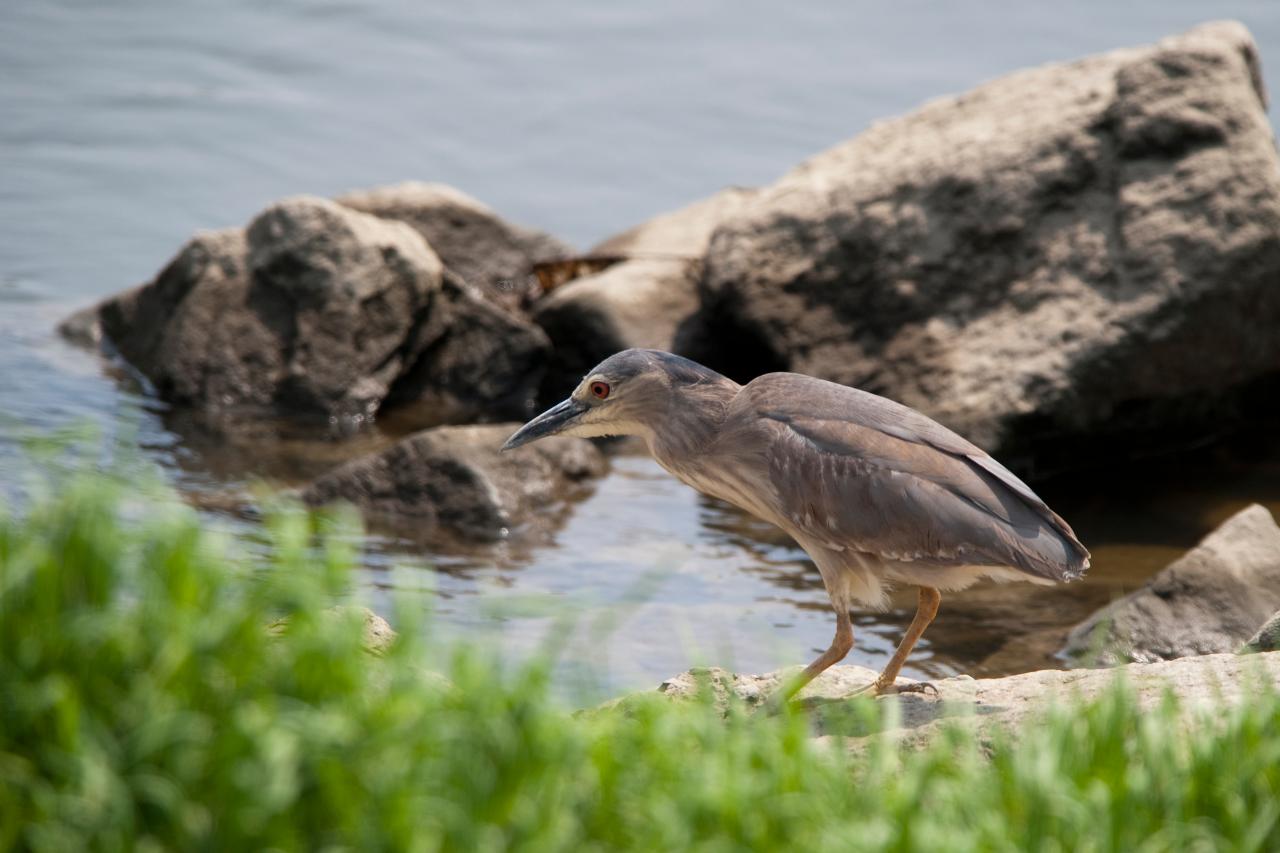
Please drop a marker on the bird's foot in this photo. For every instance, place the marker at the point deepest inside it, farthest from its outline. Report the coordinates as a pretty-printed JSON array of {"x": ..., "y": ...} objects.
[
  {"x": 909, "y": 687},
  {"x": 889, "y": 688}
]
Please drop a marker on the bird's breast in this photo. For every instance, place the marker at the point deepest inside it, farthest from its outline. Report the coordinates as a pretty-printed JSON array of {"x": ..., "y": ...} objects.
[{"x": 739, "y": 491}]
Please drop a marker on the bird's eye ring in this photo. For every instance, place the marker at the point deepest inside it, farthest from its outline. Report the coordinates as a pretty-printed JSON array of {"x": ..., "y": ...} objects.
[{"x": 599, "y": 390}]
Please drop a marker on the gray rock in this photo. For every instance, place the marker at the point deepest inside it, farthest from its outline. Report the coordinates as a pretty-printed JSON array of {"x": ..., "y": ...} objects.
[
  {"x": 648, "y": 302},
  {"x": 1077, "y": 256},
  {"x": 490, "y": 254},
  {"x": 476, "y": 361},
  {"x": 1209, "y": 600},
  {"x": 452, "y": 482},
  {"x": 1211, "y": 682},
  {"x": 306, "y": 311},
  {"x": 321, "y": 314},
  {"x": 83, "y": 328},
  {"x": 1267, "y": 638},
  {"x": 685, "y": 232}
]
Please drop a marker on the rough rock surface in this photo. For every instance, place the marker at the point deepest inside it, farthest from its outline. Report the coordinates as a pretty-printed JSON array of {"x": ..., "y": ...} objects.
[
  {"x": 1207, "y": 682},
  {"x": 452, "y": 481},
  {"x": 321, "y": 314},
  {"x": 306, "y": 310},
  {"x": 476, "y": 361},
  {"x": 1212, "y": 599},
  {"x": 1062, "y": 258},
  {"x": 1267, "y": 638},
  {"x": 490, "y": 254},
  {"x": 647, "y": 302}
]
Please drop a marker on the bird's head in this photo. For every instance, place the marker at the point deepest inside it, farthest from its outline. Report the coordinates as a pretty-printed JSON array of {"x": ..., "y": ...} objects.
[{"x": 626, "y": 394}]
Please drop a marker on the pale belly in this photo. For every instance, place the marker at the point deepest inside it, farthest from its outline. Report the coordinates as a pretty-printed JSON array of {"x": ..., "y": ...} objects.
[
  {"x": 752, "y": 497},
  {"x": 849, "y": 574}
]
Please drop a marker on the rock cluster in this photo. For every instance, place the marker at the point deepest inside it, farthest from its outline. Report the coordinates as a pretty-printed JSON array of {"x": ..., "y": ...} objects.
[
  {"x": 1060, "y": 264},
  {"x": 316, "y": 312},
  {"x": 650, "y": 301}
]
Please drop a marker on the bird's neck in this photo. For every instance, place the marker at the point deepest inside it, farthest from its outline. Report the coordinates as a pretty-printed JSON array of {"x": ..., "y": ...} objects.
[{"x": 693, "y": 419}]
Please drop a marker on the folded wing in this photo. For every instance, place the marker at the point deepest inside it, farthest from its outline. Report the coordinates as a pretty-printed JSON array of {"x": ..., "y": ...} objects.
[{"x": 859, "y": 471}]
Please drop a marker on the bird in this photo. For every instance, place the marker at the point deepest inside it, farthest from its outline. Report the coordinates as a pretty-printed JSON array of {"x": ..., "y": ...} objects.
[{"x": 875, "y": 492}]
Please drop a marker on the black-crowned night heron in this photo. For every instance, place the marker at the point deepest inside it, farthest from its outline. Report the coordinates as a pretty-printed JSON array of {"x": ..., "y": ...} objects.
[{"x": 875, "y": 492}]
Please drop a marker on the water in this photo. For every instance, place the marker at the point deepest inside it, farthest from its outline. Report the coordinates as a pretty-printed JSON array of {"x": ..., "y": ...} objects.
[{"x": 124, "y": 127}]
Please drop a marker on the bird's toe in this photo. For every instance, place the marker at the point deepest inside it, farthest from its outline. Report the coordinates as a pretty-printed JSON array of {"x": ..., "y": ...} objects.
[{"x": 893, "y": 689}]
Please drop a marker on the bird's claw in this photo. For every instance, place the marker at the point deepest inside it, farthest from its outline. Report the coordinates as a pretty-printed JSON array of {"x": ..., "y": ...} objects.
[
  {"x": 909, "y": 687},
  {"x": 877, "y": 688}
]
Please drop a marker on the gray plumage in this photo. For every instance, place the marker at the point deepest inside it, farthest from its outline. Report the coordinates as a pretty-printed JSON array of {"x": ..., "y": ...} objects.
[{"x": 874, "y": 491}]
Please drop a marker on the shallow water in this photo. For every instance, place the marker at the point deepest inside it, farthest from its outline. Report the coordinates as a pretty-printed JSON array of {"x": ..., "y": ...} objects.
[{"x": 125, "y": 127}]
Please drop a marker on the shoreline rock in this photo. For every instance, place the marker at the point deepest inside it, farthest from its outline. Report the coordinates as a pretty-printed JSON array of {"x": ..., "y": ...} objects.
[
  {"x": 1205, "y": 682},
  {"x": 1210, "y": 600},
  {"x": 320, "y": 314}
]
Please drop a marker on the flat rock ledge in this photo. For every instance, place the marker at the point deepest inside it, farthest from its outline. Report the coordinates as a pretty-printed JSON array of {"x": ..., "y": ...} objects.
[{"x": 1208, "y": 681}]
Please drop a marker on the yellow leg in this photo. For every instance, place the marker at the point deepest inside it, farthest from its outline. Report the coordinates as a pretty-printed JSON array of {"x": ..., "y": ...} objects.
[
  {"x": 840, "y": 647},
  {"x": 926, "y": 609}
]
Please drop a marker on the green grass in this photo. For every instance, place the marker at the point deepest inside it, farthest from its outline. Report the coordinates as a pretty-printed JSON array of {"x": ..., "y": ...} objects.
[{"x": 143, "y": 705}]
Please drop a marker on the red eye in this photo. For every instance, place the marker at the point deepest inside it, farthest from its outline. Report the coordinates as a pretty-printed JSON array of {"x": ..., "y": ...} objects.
[{"x": 600, "y": 390}]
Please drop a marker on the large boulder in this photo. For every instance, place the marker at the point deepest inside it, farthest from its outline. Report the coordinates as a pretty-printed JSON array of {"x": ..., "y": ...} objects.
[
  {"x": 321, "y": 314},
  {"x": 1077, "y": 256},
  {"x": 476, "y": 361},
  {"x": 493, "y": 256},
  {"x": 1212, "y": 599},
  {"x": 650, "y": 301},
  {"x": 306, "y": 310},
  {"x": 452, "y": 482}
]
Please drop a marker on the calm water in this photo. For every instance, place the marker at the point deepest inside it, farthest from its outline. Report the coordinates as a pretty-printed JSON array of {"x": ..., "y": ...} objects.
[{"x": 126, "y": 126}]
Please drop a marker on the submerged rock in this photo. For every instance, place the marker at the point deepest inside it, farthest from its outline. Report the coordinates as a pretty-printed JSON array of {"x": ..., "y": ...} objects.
[
  {"x": 452, "y": 481},
  {"x": 321, "y": 314},
  {"x": 488, "y": 253},
  {"x": 1210, "y": 600},
  {"x": 650, "y": 301},
  {"x": 1074, "y": 258}
]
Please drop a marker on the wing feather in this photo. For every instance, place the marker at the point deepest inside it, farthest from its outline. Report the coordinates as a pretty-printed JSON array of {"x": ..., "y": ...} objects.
[{"x": 861, "y": 471}]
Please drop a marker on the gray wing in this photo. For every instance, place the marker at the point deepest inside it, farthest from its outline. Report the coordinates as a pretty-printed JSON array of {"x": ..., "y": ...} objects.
[{"x": 864, "y": 472}]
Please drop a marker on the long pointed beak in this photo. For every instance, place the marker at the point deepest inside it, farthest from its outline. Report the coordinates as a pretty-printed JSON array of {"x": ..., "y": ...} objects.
[{"x": 550, "y": 422}]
